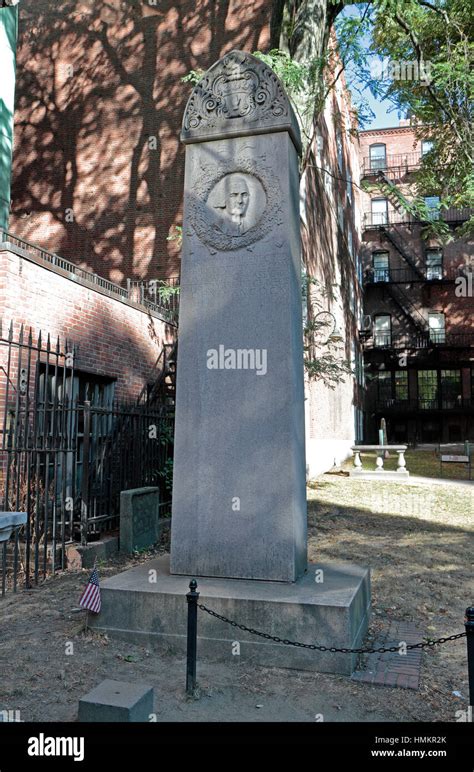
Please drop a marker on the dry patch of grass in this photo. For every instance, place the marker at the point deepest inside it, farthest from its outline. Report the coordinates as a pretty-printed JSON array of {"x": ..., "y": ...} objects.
[{"x": 419, "y": 542}]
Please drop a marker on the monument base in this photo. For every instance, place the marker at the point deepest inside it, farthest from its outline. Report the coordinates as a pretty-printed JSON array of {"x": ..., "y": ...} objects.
[{"x": 329, "y": 606}]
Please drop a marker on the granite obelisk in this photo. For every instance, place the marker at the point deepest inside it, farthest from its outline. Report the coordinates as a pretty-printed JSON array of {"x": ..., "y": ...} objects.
[{"x": 239, "y": 504}]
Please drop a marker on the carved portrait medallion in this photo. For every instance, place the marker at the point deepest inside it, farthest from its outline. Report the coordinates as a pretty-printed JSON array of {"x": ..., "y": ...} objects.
[{"x": 234, "y": 205}]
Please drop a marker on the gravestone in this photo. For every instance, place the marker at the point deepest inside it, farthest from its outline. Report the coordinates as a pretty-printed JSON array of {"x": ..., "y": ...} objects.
[
  {"x": 239, "y": 504},
  {"x": 139, "y": 518}
]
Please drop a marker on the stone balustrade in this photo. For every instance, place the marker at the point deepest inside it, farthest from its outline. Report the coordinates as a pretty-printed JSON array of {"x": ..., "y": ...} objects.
[{"x": 379, "y": 471}]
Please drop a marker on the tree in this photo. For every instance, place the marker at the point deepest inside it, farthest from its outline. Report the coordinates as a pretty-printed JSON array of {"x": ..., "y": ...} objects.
[
  {"x": 428, "y": 38},
  {"x": 432, "y": 43}
]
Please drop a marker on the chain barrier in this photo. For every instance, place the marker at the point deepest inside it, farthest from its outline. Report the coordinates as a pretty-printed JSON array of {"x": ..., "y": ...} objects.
[{"x": 333, "y": 649}]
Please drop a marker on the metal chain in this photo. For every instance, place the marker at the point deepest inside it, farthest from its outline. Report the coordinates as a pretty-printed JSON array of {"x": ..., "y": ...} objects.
[{"x": 333, "y": 649}]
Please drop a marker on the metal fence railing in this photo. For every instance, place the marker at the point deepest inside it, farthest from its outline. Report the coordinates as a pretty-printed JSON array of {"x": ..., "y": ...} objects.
[
  {"x": 67, "y": 450},
  {"x": 159, "y": 295}
]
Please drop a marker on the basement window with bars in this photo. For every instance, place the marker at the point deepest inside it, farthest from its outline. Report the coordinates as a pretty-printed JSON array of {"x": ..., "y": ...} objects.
[{"x": 56, "y": 385}]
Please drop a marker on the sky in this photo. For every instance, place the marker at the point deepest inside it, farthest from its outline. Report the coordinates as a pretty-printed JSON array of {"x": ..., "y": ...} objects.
[{"x": 384, "y": 112}]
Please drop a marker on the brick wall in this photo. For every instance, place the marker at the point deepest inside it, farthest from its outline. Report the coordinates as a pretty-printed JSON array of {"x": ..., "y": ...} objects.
[
  {"x": 112, "y": 338},
  {"x": 98, "y": 165},
  {"x": 331, "y": 239}
]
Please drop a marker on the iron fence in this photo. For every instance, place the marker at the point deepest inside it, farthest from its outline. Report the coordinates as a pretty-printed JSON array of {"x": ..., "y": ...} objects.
[{"x": 66, "y": 452}]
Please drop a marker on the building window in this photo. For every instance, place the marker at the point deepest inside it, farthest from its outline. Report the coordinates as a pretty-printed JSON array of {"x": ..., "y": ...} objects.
[
  {"x": 350, "y": 242},
  {"x": 384, "y": 386},
  {"x": 426, "y": 146},
  {"x": 451, "y": 389},
  {"x": 339, "y": 148},
  {"x": 328, "y": 183},
  {"x": 378, "y": 157},
  {"x": 401, "y": 385},
  {"x": 427, "y": 389},
  {"x": 319, "y": 149},
  {"x": 383, "y": 330},
  {"x": 340, "y": 215},
  {"x": 434, "y": 264},
  {"x": 349, "y": 187},
  {"x": 55, "y": 383},
  {"x": 432, "y": 205},
  {"x": 360, "y": 268},
  {"x": 380, "y": 262},
  {"x": 379, "y": 210},
  {"x": 437, "y": 327}
]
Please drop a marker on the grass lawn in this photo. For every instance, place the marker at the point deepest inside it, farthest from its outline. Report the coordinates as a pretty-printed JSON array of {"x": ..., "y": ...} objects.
[
  {"x": 419, "y": 542},
  {"x": 425, "y": 463}
]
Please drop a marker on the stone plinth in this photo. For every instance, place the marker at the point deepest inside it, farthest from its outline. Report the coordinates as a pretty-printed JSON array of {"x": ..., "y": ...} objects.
[
  {"x": 334, "y": 612},
  {"x": 117, "y": 701}
]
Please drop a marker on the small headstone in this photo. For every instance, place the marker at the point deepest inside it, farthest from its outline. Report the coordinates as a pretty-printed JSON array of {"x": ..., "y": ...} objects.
[{"x": 139, "y": 518}]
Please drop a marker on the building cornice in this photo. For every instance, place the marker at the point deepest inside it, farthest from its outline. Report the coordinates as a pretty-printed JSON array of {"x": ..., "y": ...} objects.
[{"x": 389, "y": 130}]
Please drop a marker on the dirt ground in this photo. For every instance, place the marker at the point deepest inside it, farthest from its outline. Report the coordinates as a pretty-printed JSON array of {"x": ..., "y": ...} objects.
[{"x": 421, "y": 570}]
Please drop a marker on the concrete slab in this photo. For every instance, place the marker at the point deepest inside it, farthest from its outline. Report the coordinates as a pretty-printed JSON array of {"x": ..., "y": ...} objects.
[
  {"x": 117, "y": 701},
  {"x": 401, "y": 476},
  {"x": 147, "y": 604}
]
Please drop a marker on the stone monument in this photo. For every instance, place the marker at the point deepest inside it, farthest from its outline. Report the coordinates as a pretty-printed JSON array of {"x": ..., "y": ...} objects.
[{"x": 239, "y": 503}]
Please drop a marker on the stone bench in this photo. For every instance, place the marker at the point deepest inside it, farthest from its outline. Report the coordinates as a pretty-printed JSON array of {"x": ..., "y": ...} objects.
[{"x": 379, "y": 471}]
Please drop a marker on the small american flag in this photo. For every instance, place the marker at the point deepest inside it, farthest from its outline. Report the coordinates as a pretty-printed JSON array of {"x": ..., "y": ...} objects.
[{"x": 90, "y": 598}]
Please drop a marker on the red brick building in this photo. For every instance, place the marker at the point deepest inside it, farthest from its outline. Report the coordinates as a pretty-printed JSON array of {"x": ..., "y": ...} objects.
[
  {"x": 98, "y": 165},
  {"x": 419, "y": 305}
]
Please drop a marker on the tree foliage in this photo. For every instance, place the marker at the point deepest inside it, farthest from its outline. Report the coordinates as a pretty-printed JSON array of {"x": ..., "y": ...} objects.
[{"x": 431, "y": 41}]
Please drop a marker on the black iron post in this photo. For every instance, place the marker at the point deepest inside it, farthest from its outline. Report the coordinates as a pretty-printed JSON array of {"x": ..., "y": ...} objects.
[
  {"x": 192, "y": 598},
  {"x": 469, "y": 622}
]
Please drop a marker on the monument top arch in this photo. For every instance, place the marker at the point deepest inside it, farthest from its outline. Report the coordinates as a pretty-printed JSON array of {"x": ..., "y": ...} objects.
[{"x": 238, "y": 96}]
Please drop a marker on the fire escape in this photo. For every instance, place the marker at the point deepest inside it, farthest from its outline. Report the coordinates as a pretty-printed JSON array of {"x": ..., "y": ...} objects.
[{"x": 399, "y": 297}]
